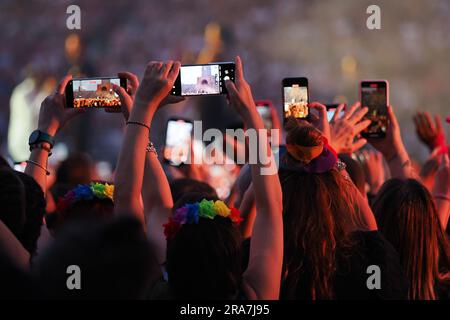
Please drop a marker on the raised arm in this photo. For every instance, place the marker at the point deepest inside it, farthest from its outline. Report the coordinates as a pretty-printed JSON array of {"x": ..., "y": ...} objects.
[
  {"x": 394, "y": 150},
  {"x": 12, "y": 249},
  {"x": 431, "y": 134},
  {"x": 346, "y": 127},
  {"x": 158, "y": 80},
  {"x": 248, "y": 212},
  {"x": 263, "y": 275},
  {"x": 343, "y": 134},
  {"x": 53, "y": 115},
  {"x": 441, "y": 191},
  {"x": 156, "y": 194}
]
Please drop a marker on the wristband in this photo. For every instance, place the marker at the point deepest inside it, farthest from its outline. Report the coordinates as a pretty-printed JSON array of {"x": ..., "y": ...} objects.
[
  {"x": 39, "y": 165},
  {"x": 38, "y": 136},
  {"x": 139, "y": 124}
]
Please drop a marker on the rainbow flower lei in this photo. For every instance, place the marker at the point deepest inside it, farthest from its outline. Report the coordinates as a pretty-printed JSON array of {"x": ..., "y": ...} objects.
[
  {"x": 191, "y": 212},
  {"x": 85, "y": 192}
]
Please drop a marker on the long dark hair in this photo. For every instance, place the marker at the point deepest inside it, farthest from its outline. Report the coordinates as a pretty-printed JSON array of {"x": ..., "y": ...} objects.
[
  {"x": 319, "y": 214},
  {"x": 407, "y": 217}
]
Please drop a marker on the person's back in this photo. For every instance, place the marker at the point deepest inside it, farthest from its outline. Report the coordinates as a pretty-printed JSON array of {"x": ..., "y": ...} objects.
[
  {"x": 328, "y": 247},
  {"x": 407, "y": 217}
]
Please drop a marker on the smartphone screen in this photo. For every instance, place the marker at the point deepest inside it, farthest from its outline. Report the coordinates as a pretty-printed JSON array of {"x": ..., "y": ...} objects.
[
  {"x": 375, "y": 96},
  {"x": 264, "y": 110},
  {"x": 205, "y": 79},
  {"x": 331, "y": 110},
  {"x": 178, "y": 141},
  {"x": 295, "y": 98},
  {"x": 93, "y": 92}
]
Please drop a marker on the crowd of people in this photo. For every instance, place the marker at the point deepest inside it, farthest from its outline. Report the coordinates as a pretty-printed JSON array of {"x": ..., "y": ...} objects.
[{"x": 338, "y": 206}]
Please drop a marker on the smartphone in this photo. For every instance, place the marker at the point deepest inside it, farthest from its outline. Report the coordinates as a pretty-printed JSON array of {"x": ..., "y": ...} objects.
[
  {"x": 178, "y": 141},
  {"x": 203, "y": 79},
  {"x": 331, "y": 110},
  {"x": 264, "y": 108},
  {"x": 94, "y": 92},
  {"x": 375, "y": 95},
  {"x": 295, "y": 98}
]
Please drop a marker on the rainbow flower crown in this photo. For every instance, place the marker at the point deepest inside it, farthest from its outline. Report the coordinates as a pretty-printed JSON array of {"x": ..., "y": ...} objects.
[
  {"x": 192, "y": 212},
  {"x": 85, "y": 192}
]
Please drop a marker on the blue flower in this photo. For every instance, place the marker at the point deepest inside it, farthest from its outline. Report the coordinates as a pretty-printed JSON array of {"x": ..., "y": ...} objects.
[
  {"x": 192, "y": 212},
  {"x": 83, "y": 192}
]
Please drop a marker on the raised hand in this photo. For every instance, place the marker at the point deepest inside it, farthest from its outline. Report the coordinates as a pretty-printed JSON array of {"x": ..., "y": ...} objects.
[
  {"x": 53, "y": 114},
  {"x": 240, "y": 94},
  {"x": 126, "y": 96},
  {"x": 263, "y": 275},
  {"x": 320, "y": 121},
  {"x": 431, "y": 134},
  {"x": 345, "y": 129},
  {"x": 158, "y": 80},
  {"x": 393, "y": 149},
  {"x": 441, "y": 190},
  {"x": 392, "y": 144}
]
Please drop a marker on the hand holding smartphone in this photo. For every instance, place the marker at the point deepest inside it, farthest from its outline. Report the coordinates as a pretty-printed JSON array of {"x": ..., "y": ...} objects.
[
  {"x": 93, "y": 92},
  {"x": 375, "y": 96},
  {"x": 203, "y": 79},
  {"x": 295, "y": 98}
]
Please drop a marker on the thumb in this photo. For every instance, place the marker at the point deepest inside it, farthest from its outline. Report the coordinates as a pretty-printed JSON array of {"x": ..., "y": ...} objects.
[
  {"x": 125, "y": 100},
  {"x": 232, "y": 91},
  {"x": 121, "y": 92},
  {"x": 392, "y": 117}
]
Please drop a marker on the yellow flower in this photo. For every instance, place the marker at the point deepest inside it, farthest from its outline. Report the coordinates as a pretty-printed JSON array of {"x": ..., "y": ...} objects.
[
  {"x": 221, "y": 209},
  {"x": 109, "y": 190}
]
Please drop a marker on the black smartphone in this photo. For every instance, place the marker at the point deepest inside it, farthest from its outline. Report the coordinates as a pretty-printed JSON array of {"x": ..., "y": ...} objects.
[
  {"x": 94, "y": 92},
  {"x": 203, "y": 79},
  {"x": 375, "y": 95},
  {"x": 178, "y": 141},
  {"x": 295, "y": 98},
  {"x": 265, "y": 111}
]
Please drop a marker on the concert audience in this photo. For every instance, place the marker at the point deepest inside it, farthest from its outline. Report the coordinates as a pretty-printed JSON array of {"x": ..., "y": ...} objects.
[{"x": 310, "y": 231}]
